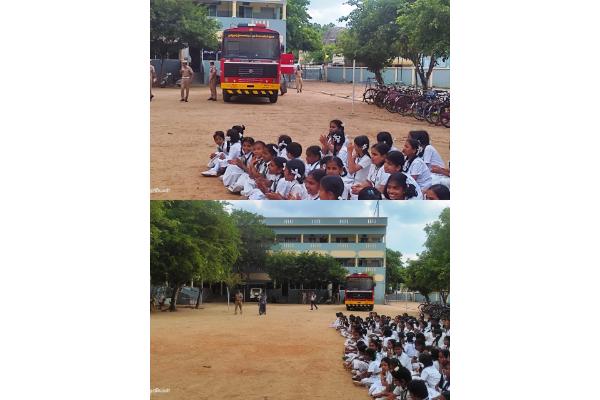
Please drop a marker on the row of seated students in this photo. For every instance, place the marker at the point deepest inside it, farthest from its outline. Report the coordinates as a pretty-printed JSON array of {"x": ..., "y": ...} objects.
[
  {"x": 400, "y": 358},
  {"x": 337, "y": 169}
]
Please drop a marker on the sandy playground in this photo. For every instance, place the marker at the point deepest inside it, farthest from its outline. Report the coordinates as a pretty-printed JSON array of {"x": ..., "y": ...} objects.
[
  {"x": 290, "y": 353},
  {"x": 181, "y": 133}
]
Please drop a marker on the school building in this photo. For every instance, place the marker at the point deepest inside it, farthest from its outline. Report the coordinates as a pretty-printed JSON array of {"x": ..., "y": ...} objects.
[{"x": 358, "y": 243}]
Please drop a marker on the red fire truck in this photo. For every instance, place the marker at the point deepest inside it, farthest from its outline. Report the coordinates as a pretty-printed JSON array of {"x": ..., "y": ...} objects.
[
  {"x": 250, "y": 62},
  {"x": 359, "y": 293}
]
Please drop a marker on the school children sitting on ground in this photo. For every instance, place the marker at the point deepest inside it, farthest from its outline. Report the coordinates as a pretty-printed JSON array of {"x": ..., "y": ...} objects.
[
  {"x": 354, "y": 169},
  {"x": 397, "y": 357}
]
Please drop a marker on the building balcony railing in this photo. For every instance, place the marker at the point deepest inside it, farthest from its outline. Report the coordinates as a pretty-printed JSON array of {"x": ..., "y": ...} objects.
[
  {"x": 381, "y": 221},
  {"x": 329, "y": 246}
]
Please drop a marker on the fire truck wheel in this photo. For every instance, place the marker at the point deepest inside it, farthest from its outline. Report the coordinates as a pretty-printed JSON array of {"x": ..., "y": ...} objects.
[
  {"x": 347, "y": 308},
  {"x": 370, "y": 308},
  {"x": 273, "y": 98},
  {"x": 226, "y": 97}
]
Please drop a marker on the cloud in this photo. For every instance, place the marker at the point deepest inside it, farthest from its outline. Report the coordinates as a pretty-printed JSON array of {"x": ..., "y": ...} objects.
[{"x": 326, "y": 11}]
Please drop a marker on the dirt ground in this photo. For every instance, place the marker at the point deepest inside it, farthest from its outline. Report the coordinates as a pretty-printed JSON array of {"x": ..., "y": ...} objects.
[
  {"x": 289, "y": 353},
  {"x": 181, "y": 133}
]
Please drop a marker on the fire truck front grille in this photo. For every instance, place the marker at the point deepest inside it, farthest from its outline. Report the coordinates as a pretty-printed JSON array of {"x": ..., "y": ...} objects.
[
  {"x": 358, "y": 295},
  {"x": 251, "y": 71}
]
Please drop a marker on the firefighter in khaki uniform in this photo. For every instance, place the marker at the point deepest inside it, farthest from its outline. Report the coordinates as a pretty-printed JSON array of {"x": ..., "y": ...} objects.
[
  {"x": 212, "y": 81},
  {"x": 239, "y": 298},
  {"x": 152, "y": 79},
  {"x": 187, "y": 74}
]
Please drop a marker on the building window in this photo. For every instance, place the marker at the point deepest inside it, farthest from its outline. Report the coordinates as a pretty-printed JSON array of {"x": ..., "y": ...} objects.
[
  {"x": 316, "y": 239},
  {"x": 347, "y": 262},
  {"x": 370, "y": 238},
  {"x": 345, "y": 238},
  {"x": 288, "y": 238},
  {"x": 265, "y": 12},
  {"x": 224, "y": 12},
  {"x": 370, "y": 262},
  {"x": 245, "y": 12},
  {"x": 212, "y": 11}
]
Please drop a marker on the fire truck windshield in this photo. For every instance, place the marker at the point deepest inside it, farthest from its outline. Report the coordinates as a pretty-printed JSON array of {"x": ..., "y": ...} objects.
[
  {"x": 251, "y": 45},
  {"x": 359, "y": 284}
]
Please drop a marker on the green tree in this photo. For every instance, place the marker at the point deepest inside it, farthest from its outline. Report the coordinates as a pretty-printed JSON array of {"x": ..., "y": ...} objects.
[
  {"x": 190, "y": 240},
  {"x": 393, "y": 269},
  {"x": 324, "y": 54},
  {"x": 370, "y": 38},
  {"x": 431, "y": 271},
  {"x": 256, "y": 237},
  {"x": 424, "y": 32},
  {"x": 175, "y": 24},
  {"x": 418, "y": 276},
  {"x": 301, "y": 34},
  {"x": 308, "y": 268}
]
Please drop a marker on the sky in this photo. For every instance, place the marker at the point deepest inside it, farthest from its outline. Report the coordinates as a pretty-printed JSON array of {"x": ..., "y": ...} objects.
[
  {"x": 326, "y": 11},
  {"x": 406, "y": 219}
]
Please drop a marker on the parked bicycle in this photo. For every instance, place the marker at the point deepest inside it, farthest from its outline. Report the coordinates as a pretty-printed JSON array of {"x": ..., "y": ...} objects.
[
  {"x": 440, "y": 311},
  {"x": 432, "y": 106}
]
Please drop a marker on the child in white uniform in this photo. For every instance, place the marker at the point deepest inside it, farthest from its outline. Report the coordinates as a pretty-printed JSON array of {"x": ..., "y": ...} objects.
[
  {"x": 431, "y": 157},
  {"x": 260, "y": 170},
  {"x": 239, "y": 166},
  {"x": 335, "y": 167},
  {"x": 415, "y": 166},
  {"x": 283, "y": 141},
  {"x": 386, "y": 137},
  {"x": 377, "y": 176},
  {"x": 312, "y": 183},
  {"x": 398, "y": 188},
  {"x": 277, "y": 183},
  {"x": 394, "y": 160},
  {"x": 251, "y": 167},
  {"x": 231, "y": 151},
  {"x": 294, "y": 175},
  {"x": 313, "y": 158},
  {"x": 358, "y": 161},
  {"x": 219, "y": 138}
]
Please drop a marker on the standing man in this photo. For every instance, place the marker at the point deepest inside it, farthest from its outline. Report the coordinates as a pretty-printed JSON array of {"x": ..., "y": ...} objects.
[
  {"x": 212, "y": 81},
  {"x": 239, "y": 298},
  {"x": 152, "y": 79},
  {"x": 313, "y": 300},
  {"x": 298, "y": 80},
  {"x": 262, "y": 303},
  {"x": 187, "y": 74}
]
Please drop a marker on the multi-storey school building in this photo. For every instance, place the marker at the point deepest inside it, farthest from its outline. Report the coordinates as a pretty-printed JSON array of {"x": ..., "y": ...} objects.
[
  {"x": 272, "y": 13},
  {"x": 358, "y": 243}
]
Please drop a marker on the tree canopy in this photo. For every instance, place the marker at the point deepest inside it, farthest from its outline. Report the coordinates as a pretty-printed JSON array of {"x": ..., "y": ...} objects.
[
  {"x": 175, "y": 24},
  {"x": 431, "y": 271},
  {"x": 424, "y": 33},
  {"x": 393, "y": 269},
  {"x": 301, "y": 34},
  {"x": 371, "y": 35},
  {"x": 381, "y": 30},
  {"x": 257, "y": 239},
  {"x": 190, "y": 240},
  {"x": 309, "y": 268}
]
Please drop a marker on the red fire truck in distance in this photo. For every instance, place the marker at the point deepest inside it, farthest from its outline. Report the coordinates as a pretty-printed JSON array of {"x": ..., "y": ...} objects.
[
  {"x": 359, "y": 292},
  {"x": 250, "y": 62}
]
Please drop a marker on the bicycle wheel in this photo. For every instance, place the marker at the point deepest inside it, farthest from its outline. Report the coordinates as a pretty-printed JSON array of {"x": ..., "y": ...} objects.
[
  {"x": 379, "y": 99},
  {"x": 369, "y": 96},
  {"x": 445, "y": 117},
  {"x": 419, "y": 110},
  {"x": 433, "y": 114},
  {"x": 390, "y": 104}
]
